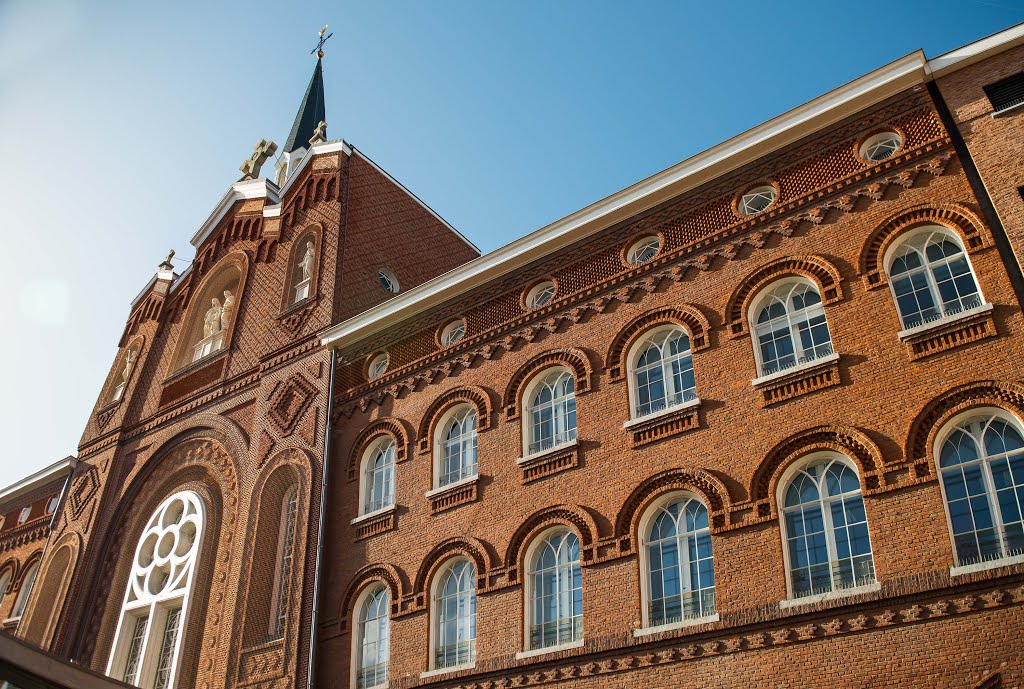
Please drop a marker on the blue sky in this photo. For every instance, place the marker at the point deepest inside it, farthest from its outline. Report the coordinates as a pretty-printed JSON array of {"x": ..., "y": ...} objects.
[{"x": 122, "y": 124}]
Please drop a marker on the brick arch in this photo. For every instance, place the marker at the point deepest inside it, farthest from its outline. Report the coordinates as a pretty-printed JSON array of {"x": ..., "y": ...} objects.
[
  {"x": 471, "y": 394},
  {"x": 576, "y": 360},
  {"x": 10, "y": 564},
  {"x": 711, "y": 490},
  {"x": 815, "y": 268},
  {"x": 573, "y": 516},
  {"x": 392, "y": 427},
  {"x": 925, "y": 428},
  {"x": 32, "y": 559},
  {"x": 689, "y": 317},
  {"x": 846, "y": 440},
  {"x": 43, "y": 614},
  {"x": 954, "y": 216},
  {"x": 389, "y": 575},
  {"x": 471, "y": 548}
]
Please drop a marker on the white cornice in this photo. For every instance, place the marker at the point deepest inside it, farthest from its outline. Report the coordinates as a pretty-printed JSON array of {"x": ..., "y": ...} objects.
[
  {"x": 249, "y": 189},
  {"x": 40, "y": 478},
  {"x": 974, "y": 52},
  {"x": 318, "y": 149}
]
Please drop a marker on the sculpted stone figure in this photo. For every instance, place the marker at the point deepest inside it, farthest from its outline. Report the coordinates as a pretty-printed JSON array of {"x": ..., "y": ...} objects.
[
  {"x": 228, "y": 310},
  {"x": 306, "y": 264},
  {"x": 129, "y": 363},
  {"x": 212, "y": 322}
]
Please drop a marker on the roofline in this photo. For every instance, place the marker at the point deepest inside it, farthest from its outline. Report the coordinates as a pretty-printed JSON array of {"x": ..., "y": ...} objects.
[
  {"x": 39, "y": 478},
  {"x": 243, "y": 189},
  {"x": 778, "y": 132}
]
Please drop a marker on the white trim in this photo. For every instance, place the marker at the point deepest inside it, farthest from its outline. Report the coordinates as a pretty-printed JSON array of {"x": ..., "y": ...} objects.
[
  {"x": 667, "y": 411},
  {"x": 647, "y": 631},
  {"x": 272, "y": 211},
  {"x": 984, "y": 307},
  {"x": 247, "y": 189},
  {"x": 1006, "y": 112},
  {"x": 356, "y": 649},
  {"x": 375, "y": 513},
  {"x": 984, "y": 566},
  {"x": 452, "y": 486},
  {"x": 830, "y": 595},
  {"x": 38, "y": 479},
  {"x": 520, "y": 655},
  {"x": 976, "y": 51},
  {"x": 551, "y": 450},
  {"x": 526, "y": 412},
  {"x": 828, "y": 358},
  {"x": 447, "y": 670},
  {"x": 308, "y": 155},
  {"x": 437, "y": 449},
  {"x": 148, "y": 287},
  {"x": 444, "y": 569},
  {"x": 632, "y": 356}
]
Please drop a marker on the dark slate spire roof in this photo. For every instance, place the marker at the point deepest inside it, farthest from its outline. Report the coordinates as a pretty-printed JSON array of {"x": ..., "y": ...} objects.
[{"x": 311, "y": 112}]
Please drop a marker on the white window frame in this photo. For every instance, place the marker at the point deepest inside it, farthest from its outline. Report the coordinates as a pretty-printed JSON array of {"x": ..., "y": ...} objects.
[
  {"x": 440, "y": 443},
  {"x": 453, "y": 332},
  {"x": 51, "y": 504},
  {"x": 526, "y": 404},
  {"x": 780, "y": 495},
  {"x": 874, "y": 140},
  {"x": 643, "y": 538},
  {"x": 5, "y": 583},
  {"x": 28, "y": 581},
  {"x": 158, "y": 607},
  {"x": 388, "y": 280},
  {"x": 889, "y": 257},
  {"x": 642, "y": 246},
  {"x": 378, "y": 366},
  {"x": 800, "y": 355},
  {"x": 529, "y": 566},
  {"x": 947, "y": 429},
  {"x": 743, "y": 205},
  {"x": 358, "y": 611},
  {"x": 25, "y": 513},
  {"x": 435, "y": 613},
  {"x": 547, "y": 287},
  {"x": 633, "y": 355},
  {"x": 284, "y": 564},
  {"x": 366, "y": 479}
]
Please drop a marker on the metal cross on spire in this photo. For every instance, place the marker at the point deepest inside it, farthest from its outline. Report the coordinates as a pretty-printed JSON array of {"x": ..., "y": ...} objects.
[{"x": 319, "y": 49}]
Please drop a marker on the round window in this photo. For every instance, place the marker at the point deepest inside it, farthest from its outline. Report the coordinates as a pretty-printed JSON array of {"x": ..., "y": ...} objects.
[
  {"x": 540, "y": 294},
  {"x": 756, "y": 200},
  {"x": 880, "y": 146},
  {"x": 388, "y": 280},
  {"x": 644, "y": 250},
  {"x": 453, "y": 332},
  {"x": 378, "y": 365}
]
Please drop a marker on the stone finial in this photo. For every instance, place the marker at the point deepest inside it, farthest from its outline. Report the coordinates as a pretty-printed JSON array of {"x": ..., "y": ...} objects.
[
  {"x": 261, "y": 151},
  {"x": 167, "y": 265},
  {"x": 165, "y": 271},
  {"x": 319, "y": 134}
]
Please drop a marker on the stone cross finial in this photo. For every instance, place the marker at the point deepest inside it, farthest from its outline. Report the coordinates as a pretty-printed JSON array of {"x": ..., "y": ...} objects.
[
  {"x": 260, "y": 152},
  {"x": 319, "y": 134},
  {"x": 167, "y": 265}
]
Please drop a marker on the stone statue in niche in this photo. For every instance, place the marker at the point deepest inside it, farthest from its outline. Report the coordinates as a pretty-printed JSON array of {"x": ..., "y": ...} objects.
[
  {"x": 306, "y": 264},
  {"x": 212, "y": 321},
  {"x": 228, "y": 310},
  {"x": 129, "y": 363}
]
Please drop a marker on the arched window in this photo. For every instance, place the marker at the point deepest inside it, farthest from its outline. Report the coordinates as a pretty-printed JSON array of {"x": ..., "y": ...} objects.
[
  {"x": 372, "y": 639},
  {"x": 28, "y": 580},
  {"x": 788, "y": 321},
  {"x": 283, "y": 570},
  {"x": 930, "y": 276},
  {"x": 454, "y": 636},
  {"x": 555, "y": 591},
  {"x": 122, "y": 373},
  {"x": 825, "y": 528},
  {"x": 981, "y": 461},
  {"x": 5, "y": 583},
  {"x": 379, "y": 476},
  {"x": 551, "y": 420},
  {"x": 456, "y": 446},
  {"x": 680, "y": 573},
  {"x": 662, "y": 371},
  {"x": 147, "y": 644}
]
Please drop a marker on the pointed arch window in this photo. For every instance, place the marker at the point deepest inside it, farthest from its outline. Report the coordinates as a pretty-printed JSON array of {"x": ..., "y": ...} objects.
[
  {"x": 283, "y": 570},
  {"x": 555, "y": 591},
  {"x": 457, "y": 446},
  {"x": 379, "y": 476},
  {"x": 551, "y": 420},
  {"x": 825, "y": 528},
  {"x": 680, "y": 573},
  {"x": 373, "y": 639},
  {"x": 28, "y": 581},
  {"x": 981, "y": 463},
  {"x": 788, "y": 322},
  {"x": 454, "y": 634},
  {"x": 931, "y": 277},
  {"x": 148, "y": 640},
  {"x": 662, "y": 371}
]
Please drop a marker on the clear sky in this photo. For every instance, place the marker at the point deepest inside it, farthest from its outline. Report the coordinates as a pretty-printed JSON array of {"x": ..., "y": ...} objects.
[{"x": 122, "y": 124}]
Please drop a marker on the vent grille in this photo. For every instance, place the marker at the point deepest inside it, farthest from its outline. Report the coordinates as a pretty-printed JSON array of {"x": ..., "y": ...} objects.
[{"x": 1006, "y": 93}]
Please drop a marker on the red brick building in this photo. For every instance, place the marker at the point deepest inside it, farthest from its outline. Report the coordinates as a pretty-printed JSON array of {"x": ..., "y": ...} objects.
[{"x": 757, "y": 420}]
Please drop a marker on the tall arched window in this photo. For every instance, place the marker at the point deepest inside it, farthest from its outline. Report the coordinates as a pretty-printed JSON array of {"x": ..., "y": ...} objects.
[
  {"x": 662, "y": 371},
  {"x": 147, "y": 644},
  {"x": 680, "y": 572},
  {"x": 28, "y": 580},
  {"x": 555, "y": 591},
  {"x": 283, "y": 569},
  {"x": 454, "y": 636},
  {"x": 825, "y": 528},
  {"x": 379, "y": 476},
  {"x": 981, "y": 461},
  {"x": 372, "y": 639},
  {"x": 5, "y": 583},
  {"x": 456, "y": 445},
  {"x": 930, "y": 276},
  {"x": 551, "y": 402},
  {"x": 788, "y": 320}
]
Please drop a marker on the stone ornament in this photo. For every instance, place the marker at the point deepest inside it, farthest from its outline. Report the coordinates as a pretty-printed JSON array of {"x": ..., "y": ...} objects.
[
  {"x": 212, "y": 322},
  {"x": 319, "y": 134},
  {"x": 228, "y": 310},
  {"x": 261, "y": 151},
  {"x": 306, "y": 264}
]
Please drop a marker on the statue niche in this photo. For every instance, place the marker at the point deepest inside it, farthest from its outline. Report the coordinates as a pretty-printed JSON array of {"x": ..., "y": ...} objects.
[
  {"x": 210, "y": 317},
  {"x": 305, "y": 272}
]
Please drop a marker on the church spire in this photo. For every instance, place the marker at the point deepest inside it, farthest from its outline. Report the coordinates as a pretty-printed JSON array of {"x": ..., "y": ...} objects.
[{"x": 311, "y": 112}]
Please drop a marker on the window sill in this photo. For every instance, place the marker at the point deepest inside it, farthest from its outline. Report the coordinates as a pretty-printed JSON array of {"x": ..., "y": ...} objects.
[
  {"x": 793, "y": 370},
  {"x": 447, "y": 670},
  {"x": 648, "y": 631},
  {"x": 527, "y": 459},
  {"x": 453, "y": 495},
  {"x": 1008, "y": 111},
  {"x": 521, "y": 655},
  {"x": 370, "y": 515},
  {"x": 945, "y": 320},
  {"x": 10, "y": 622},
  {"x": 667, "y": 411},
  {"x": 831, "y": 595},
  {"x": 454, "y": 485},
  {"x": 961, "y": 570}
]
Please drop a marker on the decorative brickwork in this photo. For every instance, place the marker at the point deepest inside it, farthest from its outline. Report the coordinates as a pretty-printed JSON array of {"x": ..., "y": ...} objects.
[
  {"x": 476, "y": 396},
  {"x": 689, "y": 317},
  {"x": 804, "y": 380},
  {"x": 450, "y": 497},
  {"x": 642, "y": 432},
  {"x": 572, "y": 358},
  {"x": 943, "y": 338},
  {"x": 390, "y": 427},
  {"x": 549, "y": 463}
]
